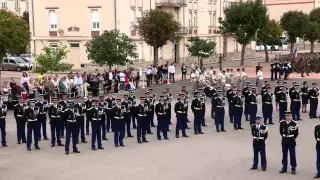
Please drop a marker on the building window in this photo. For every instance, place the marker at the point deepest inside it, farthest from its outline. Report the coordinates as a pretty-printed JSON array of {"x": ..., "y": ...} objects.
[
  {"x": 52, "y": 20},
  {"x": 132, "y": 18},
  {"x": 27, "y": 5},
  {"x": 4, "y": 4},
  {"x": 190, "y": 19},
  {"x": 74, "y": 45},
  {"x": 17, "y": 4},
  {"x": 213, "y": 17},
  {"x": 54, "y": 47},
  {"x": 211, "y": 23},
  {"x": 95, "y": 19},
  {"x": 195, "y": 19}
]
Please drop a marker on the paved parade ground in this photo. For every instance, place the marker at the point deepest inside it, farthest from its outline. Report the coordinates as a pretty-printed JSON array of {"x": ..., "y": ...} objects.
[{"x": 212, "y": 156}]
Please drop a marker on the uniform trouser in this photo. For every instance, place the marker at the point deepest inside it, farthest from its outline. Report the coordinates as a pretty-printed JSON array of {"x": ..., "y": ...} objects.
[
  {"x": 62, "y": 127},
  {"x": 292, "y": 151},
  {"x": 295, "y": 110},
  {"x": 237, "y": 111},
  {"x": 141, "y": 127},
  {"x": 252, "y": 113},
  {"x": 274, "y": 75},
  {"x": 231, "y": 112},
  {"x": 119, "y": 131},
  {"x": 246, "y": 112},
  {"x": 197, "y": 122},
  {"x": 96, "y": 133},
  {"x": 42, "y": 124},
  {"x": 168, "y": 116},
  {"x": 21, "y": 130},
  {"x": 267, "y": 113},
  {"x": 152, "y": 117},
  {"x": 109, "y": 121},
  {"x": 103, "y": 125},
  {"x": 318, "y": 161},
  {"x": 55, "y": 131},
  {"x": 32, "y": 127},
  {"x": 162, "y": 126},
  {"x": 87, "y": 124},
  {"x": 313, "y": 108},
  {"x": 219, "y": 118},
  {"x": 262, "y": 150},
  {"x": 127, "y": 120},
  {"x": 212, "y": 112},
  {"x": 203, "y": 113},
  {"x": 80, "y": 123},
  {"x": 286, "y": 73},
  {"x": 149, "y": 120},
  {"x": 181, "y": 124},
  {"x": 71, "y": 130},
  {"x": 282, "y": 110},
  {"x": 3, "y": 131},
  {"x": 133, "y": 120}
]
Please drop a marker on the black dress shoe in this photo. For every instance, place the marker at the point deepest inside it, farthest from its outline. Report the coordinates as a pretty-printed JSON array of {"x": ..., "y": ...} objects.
[
  {"x": 87, "y": 133},
  {"x": 149, "y": 132},
  {"x": 271, "y": 123},
  {"x": 159, "y": 139},
  {"x": 94, "y": 149},
  {"x": 185, "y": 136},
  {"x": 218, "y": 130},
  {"x": 37, "y": 147},
  {"x": 204, "y": 125},
  {"x": 24, "y": 141},
  {"x": 293, "y": 172},
  {"x": 282, "y": 171},
  {"x": 84, "y": 141},
  {"x": 240, "y": 128},
  {"x": 130, "y": 135},
  {"x": 166, "y": 138},
  {"x": 134, "y": 127},
  {"x": 76, "y": 151},
  {"x": 46, "y": 138},
  {"x": 201, "y": 133},
  {"x": 60, "y": 144},
  {"x": 145, "y": 141},
  {"x": 153, "y": 126},
  {"x": 169, "y": 130},
  {"x": 18, "y": 142},
  {"x": 139, "y": 141},
  {"x": 264, "y": 169},
  {"x": 116, "y": 145},
  {"x": 4, "y": 145},
  {"x": 67, "y": 153},
  {"x": 122, "y": 145},
  {"x": 187, "y": 128},
  {"x": 196, "y": 133},
  {"x": 177, "y": 136},
  {"x": 317, "y": 176},
  {"x": 223, "y": 131},
  {"x": 28, "y": 149},
  {"x": 104, "y": 138},
  {"x": 235, "y": 128},
  {"x": 100, "y": 148},
  {"x": 254, "y": 168},
  {"x": 53, "y": 145}
]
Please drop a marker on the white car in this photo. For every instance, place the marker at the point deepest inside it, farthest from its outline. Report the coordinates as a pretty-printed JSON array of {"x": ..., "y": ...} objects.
[{"x": 28, "y": 61}]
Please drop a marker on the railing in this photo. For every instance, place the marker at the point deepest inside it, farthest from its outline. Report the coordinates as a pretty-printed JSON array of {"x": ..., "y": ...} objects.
[{"x": 171, "y": 3}]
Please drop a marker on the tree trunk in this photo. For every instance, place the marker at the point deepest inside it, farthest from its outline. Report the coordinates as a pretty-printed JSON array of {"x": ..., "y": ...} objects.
[
  {"x": 1, "y": 62},
  {"x": 291, "y": 48},
  {"x": 243, "y": 50},
  {"x": 266, "y": 51},
  {"x": 201, "y": 63},
  {"x": 155, "y": 56},
  {"x": 312, "y": 47}
]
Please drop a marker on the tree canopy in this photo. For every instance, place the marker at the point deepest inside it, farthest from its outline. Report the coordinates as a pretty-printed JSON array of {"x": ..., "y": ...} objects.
[
  {"x": 157, "y": 27},
  {"x": 25, "y": 16},
  {"x": 315, "y": 15},
  {"x": 312, "y": 33},
  {"x": 50, "y": 60},
  {"x": 14, "y": 34},
  {"x": 294, "y": 23},
  {"x": 111, "y": 48},
  {"x": 272, "y": 31},
  {"x": 242, "y": 20},
  {"x": 200, "y": 48}
]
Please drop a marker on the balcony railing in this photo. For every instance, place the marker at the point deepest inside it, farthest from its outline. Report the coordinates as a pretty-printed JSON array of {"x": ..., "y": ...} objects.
[
  {"x": 183, "y": 31},
  {"x": 171, "y": 3}
]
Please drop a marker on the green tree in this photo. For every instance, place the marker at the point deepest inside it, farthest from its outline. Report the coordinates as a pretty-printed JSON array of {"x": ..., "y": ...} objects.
[
  {"x": 50, "y": 60},
  {"x": 25, "y": 16},
  {"x": 157, "y": 27},
  {"x": 272, "y": 31},
  {"x": 294, "y": 23},
  {"x": 14, "y": 35},
  {"x": 242, "y": 20},
  {"x": 111, "y": 48},
  {"x": 315, "y": 15},
  {"x": 312, "y": 33},
  {"x": 200, "y": 48}
]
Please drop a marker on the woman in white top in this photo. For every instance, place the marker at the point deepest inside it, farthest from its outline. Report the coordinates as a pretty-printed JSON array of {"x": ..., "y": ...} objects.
[
  {"x": 25, "y": 80},
  {"x": 194, "y": 79},
  {"x": 259, "y": 79}
]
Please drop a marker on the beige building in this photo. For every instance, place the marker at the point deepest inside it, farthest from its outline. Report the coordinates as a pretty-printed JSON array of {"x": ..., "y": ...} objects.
[
  {"x": 16, "y": 6},
  {"x": 74, "y": 22}
]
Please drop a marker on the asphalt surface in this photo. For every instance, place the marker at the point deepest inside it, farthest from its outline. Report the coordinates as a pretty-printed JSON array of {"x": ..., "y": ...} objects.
[{"x": 212, "y": 156}]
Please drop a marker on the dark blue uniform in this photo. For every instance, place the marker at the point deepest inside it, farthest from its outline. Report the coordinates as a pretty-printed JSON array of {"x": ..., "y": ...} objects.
[
  {"x": 230, "y": 95},
  {"x": 95, "y": 117},
  {"x": 317, "y": 137},
  {"x": 252, "y": 107},
  {"x": 313, "y": 97},
  {"x": 259, "y": 133},
  {"x": 304, "y": 96},
  {"x": 102, "y": 105},
  {"x": 245, "y": 93},
  {"x": 282, "y": 104},
  {"x": 3, "y": 114},
  {"x": 196, "y": 107},
  {"x": 81, "y": 109},
  {"x": 30, "y": 114},
  {"x": 295, "y": 104},
  {"x": 21, "y": 122},
  {"x": 42, "y": 118},
  {"x": 237, "y": 111},
  {"x": 71, "y": 129},
  {"x": 127, "y": 116},
  {"x": 118, "y": 112},
  {"x": 219, "y": 102},
  {"x": 162, "y": 118},
  {"x": 267, "y": 107},
  {"x": 64, "y": 105},
  {"x": 55, "y": 113},
  {"x": 142, "y": 122},
  {"x": 289, "y": 132},
  {"x": 132, "y": 114},
  {"x": 180, "y": 110},
  {"x": 110, "y": 102},
  {"x": 88, "y": 104}
]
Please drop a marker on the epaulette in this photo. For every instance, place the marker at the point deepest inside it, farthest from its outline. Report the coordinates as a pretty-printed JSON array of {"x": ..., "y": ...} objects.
[
  {"x": 234, "y": 95},
  {"x": 265, "y": 93},
  {"x": 282, "y": 121},
  {"x": 216, "y": 97},
  {"x": 16, "y": 104},
  {"x": 295, "y": 122}
]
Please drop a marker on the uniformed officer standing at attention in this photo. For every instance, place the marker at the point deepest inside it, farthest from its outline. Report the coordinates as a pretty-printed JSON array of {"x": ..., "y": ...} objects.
[
  {"x": 153, "y": 101},
  {"x": 230, "y": 94},
  {"x": 142, "y": 110},
  {"x": 167, "y": 105},
  {"x": 63, "y": 103},
  {"x": 103, "y": 118},
  {"x": 162, "y": 119},
  {"x": 259, "y": 133},
  {"x": 219, "y": 102},
  {"x": 267, "y": 107},
  {"x": 42, "y": 116},
  {"x": 186, "y": 98},
  {"x": 30, "y": 114},
  {"x": 313, "y": 97},
  {"x": 203, "y": 108},
  {"x": 80, "y": 109},
  {"x": 168, "y": 98},
  {"x": 118, "y": 113},
  {"x": 95, "y": 117},
  {"x": 180, "y": 109},
  {"x": 237, "y": 109},
  {"x": 111, "y": 101},
  {"x": 282, "y": 103},
  {"x": 54, "y": 112},
  {"x": 126, "y": 115},
  {"x": 89, "y": 106},
  {"x": 276, "y": 92},
  {"x": 289, "y": 132},
  {"x": 295, "y": 103},
  {"x": 245, "y": 92},
  {"x": 304, "y": 96},
  {"x": 133, "y": 100},
  {"x": 71, "y": 128},
  {"x": 196, "y": 107},
  {"x": 252, "y": 105},
  {"x": 317, "y": 137},
  {"x": 3, "y": 114},
  {"x": 150, "y": 112},
  {"x": 21, "y": 122}
]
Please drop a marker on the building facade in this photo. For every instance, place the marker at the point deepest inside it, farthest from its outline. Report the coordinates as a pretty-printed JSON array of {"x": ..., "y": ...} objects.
[
  {"x": 16, "y": 6},
  {"x": 74, "y": 23}
]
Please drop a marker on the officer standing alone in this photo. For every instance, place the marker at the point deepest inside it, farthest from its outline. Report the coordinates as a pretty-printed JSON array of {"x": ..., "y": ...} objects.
[
  {"x": 21, "y": 122},
  {"x": 54, "y": 112},
  {"x": 267, "y": 107},
  {"x": 118, "y": 112},
  {"x": 30, "y": 114},
  {"x": 196, "y": 107},
  {"x": 238, "y": 101},
  {"x": 142, "y": 123},
  {"x": 219, "y": 102},
  {"x": 162, "y": 119},
  {"x": 71, "y": 128},
  {"x": 180, "y": 109}
]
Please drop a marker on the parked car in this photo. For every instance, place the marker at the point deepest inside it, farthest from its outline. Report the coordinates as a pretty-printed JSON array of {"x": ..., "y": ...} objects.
[
  {"x": 28, "y": 61},
  {"x": 14, "y": 64}
]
